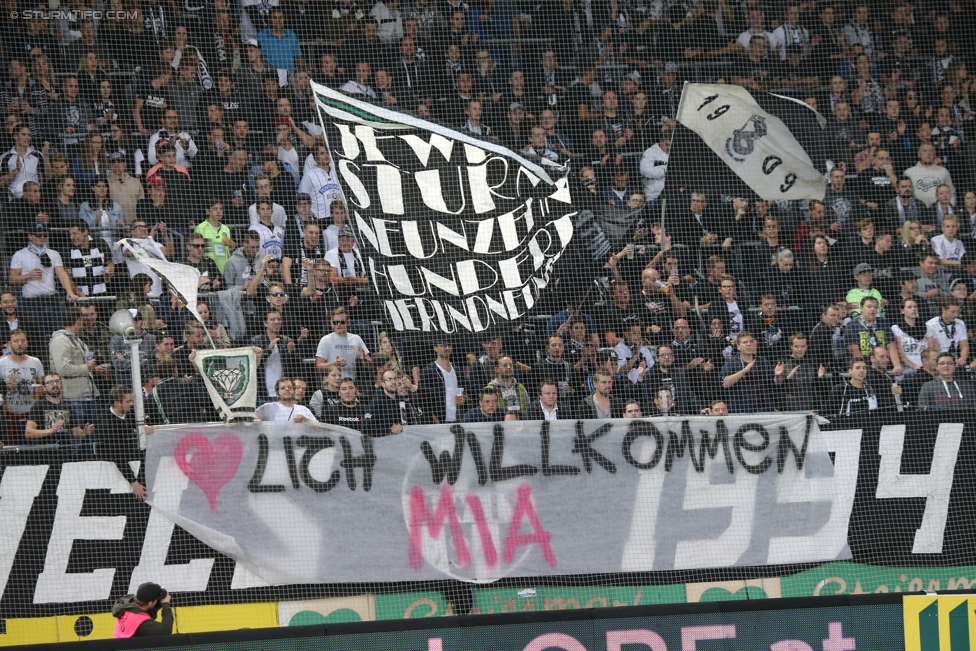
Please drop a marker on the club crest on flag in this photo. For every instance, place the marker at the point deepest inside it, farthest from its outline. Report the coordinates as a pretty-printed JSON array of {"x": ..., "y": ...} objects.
[
  {"x": 743, "y": 141},
  {"x": 230, "y": 376}
]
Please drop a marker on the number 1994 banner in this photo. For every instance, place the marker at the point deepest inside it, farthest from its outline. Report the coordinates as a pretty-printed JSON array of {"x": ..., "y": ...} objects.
[{"x": 302, "y": 503}]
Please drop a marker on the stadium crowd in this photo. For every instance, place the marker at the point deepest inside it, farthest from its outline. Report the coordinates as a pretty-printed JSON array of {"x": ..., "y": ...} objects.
[{"x": 192, "y": 130}]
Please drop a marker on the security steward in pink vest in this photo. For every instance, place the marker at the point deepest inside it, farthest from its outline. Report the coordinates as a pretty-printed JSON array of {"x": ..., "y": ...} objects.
[{"x": 135, "y": 615}]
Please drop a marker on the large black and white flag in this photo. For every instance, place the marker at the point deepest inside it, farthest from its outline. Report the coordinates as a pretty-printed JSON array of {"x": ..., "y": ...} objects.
[
  {"x": 458, "y": 233},
  {"x": 734, "y": 141}
]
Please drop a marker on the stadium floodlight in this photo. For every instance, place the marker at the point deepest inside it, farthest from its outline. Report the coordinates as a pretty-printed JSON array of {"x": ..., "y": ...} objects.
[{"x": 123, "y": 324}]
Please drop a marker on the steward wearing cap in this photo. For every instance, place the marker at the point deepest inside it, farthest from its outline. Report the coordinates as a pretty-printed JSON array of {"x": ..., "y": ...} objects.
[
  {"x": 864, "y": 275},
  {"x": 135, "y": 614}
]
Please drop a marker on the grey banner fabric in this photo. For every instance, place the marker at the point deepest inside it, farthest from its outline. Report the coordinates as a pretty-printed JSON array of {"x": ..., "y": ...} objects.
[{"x": 304, "y": 503}]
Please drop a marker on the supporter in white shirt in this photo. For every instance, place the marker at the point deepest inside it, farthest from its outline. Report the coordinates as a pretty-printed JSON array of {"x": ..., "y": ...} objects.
[
  {"x": 360, "y": 85},
  {"x": 949, "y": 248},
  {"x": 21, "y": 163},
  {"x": 263, "y": 188},
  {"x": 926, "y": 176},
  {"x": 272, "y": 235},
  {"x": 341, "y": 348},
  {"x": 320, "y": 183},
  {"x": 947, "y": 332},
  {"x": 387, "y": 15},
  {"x": 141, "y": 242},
  {"x": 346, "y": 259},
  {"x": 36, "y": 265},
  {"x": 756, "y": 18},
  {"x": 331, "y": 232},
  {"x": 631, "y": 352},
  {"x": 654, "y": 167},
  {"x": 286, "y": 407},
  {"x": 186, "y": 149}
]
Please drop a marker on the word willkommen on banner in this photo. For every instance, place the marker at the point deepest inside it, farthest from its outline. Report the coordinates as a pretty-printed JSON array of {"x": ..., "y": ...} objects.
[
  {"x": 480, "y": 502},
  {"x": 458, "y": 233}
]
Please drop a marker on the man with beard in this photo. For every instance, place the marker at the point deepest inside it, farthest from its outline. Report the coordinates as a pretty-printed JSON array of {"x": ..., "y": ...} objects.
[
  {"x": 843, "y": 208},
  {"x": 23, "y": 374},
  {"x": 772, "y": 329},
  {"x": 16, "y": 320},
  {"x": 803, "y": 385},
  {"x": 600, "y": 404},
  {"x": 388, "y": 412},
  {"x": 49, "y": 418},
  {"x": 667, "y": 375},
  {"x": 285, "y": 408}
]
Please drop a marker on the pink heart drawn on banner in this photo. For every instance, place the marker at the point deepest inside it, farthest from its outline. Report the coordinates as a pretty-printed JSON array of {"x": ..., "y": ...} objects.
[{"x": 212, "y": 464}]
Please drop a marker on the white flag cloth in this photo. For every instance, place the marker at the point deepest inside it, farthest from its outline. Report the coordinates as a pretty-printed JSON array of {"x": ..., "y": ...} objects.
[
  {"x": 755, "y": 144},
  {"x": 181, "y": 278}
]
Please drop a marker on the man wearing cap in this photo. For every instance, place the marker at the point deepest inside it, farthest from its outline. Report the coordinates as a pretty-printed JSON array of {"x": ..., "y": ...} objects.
[
  {"x": 864, "y": 275},
  {"x": 351, "y": 278},
  {"x": 35, "y": 268},
  {"x": 135, "y": 614},
  {"x": 250, "y": 75},
  {"x": 124, "y": 189},
  {"x": 155, "y": 208},
  {"x": 513, "y": 134},
  {"x": 321, "y": 183}
]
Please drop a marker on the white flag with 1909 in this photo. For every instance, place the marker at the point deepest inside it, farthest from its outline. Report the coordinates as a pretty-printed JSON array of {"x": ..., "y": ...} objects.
[{"x": 756, "y": 145}]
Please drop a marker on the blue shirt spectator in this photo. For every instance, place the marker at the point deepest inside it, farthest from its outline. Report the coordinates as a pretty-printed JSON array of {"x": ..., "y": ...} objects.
[{"x": 279, "y": 46}]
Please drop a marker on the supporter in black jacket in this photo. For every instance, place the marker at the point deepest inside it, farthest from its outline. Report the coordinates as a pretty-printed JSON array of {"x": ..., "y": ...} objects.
[
  {"x": 118, "y": 440},
  {"x": 388, "y": 412},
  {"x": 348, "y": 413}
]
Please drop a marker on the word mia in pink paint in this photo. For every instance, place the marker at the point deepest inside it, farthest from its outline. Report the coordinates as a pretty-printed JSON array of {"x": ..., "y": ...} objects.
[{"x": 420, "y": 517}]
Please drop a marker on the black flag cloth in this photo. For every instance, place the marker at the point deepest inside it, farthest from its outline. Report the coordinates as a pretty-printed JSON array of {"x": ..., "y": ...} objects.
[
  {"x": 458, "y": 234},
  {"x": 733, "y": 141}
]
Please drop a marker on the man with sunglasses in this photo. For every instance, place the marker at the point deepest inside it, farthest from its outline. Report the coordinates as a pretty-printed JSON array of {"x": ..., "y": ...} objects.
[
  {"x": 340, "y": 348},
  {"x": 35, "y": 267},
  {"x": 210, "y": 278}
]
